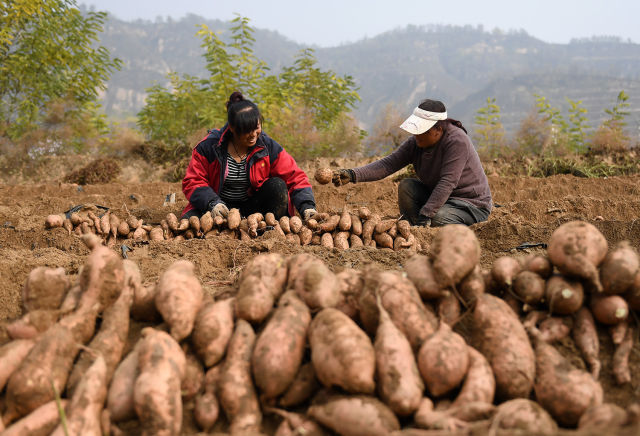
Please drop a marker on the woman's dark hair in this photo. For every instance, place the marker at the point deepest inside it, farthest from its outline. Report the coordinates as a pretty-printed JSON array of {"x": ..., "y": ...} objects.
[
  {"x": 438, "y": 106},
  {"x": 243, "y": 115}
]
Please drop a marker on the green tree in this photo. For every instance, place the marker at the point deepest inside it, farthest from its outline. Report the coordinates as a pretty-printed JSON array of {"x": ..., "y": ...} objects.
[
  {"x": 559, "y": 127},
  {"x": 618, "y": 113},
  {"x": 577, "y": 127},
  {"x": 301, "y": 97},
  {"x": 48, "y": 52},
  {"x": 489, "y": 136}
]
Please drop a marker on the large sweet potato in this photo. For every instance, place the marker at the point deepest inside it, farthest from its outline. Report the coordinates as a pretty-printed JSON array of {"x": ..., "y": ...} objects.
[
  {"x": 156, "y": 393},
  {"x": 179, "y": 297},
  {"x": 212, "y": 330},
  {"x": 41, "y": 422},
  {"x": 87, "y": 402},
  {"x": 44, "y": 288},
  {"x": 479, "y": 384},
  {"x": 562, "y": 389},
  {"x": 443, "y": 360},
  {"x": 303, "y": 386},
  {"x": 523, "y": 416},
  {"x": 120, "y": 394},
  {"x": 261, "y": 282},
  {"x": 102, "y": 277},
  {"x": 420, "y": 271},
  {"x": 11, "y": 355},
  {"x": 577, "y": 248},
  {"x": 280, "y": 346},
  {"x": 498, "y": 334},
  {"x": 455, "y": 251},
  {"x": 314, "y": 282},
  {"x": 398, "y": 379},
  {"x": 354, "y": 415},
  {"x": 342, "y": 354},
  {"x": 236, "y": 392},
  {"x": 619, "y": 268}
]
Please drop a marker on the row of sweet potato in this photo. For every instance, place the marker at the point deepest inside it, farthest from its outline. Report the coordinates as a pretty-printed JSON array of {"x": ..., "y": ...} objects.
[
  {"x": 343, "y": 230},
  {"x": 353, "y": 351}
]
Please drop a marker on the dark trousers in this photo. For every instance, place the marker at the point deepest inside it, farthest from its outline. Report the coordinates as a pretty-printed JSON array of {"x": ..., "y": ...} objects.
[
  {"x": 413, "y": 194},
  {"x": 273, "y": 196}
]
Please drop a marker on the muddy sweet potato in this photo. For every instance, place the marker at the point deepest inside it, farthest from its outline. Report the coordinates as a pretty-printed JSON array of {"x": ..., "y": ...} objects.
[
  {"x": 120, "y": 395},
  {"x": 342, "y": 354},
  {"x": 102, "y": 277},
  {"x": 316, "y": 284},
  {"x": 620, "y": 361},
  {"x": 32, "y": 323},
  {"x": 303, "y": 386},
  {"x": 498, "y": 334},
  {"x": 539, "y": 264},
  {"x": 504, "y": 270},
  {"x": 523, "y": 416},
  {"x": 577, "y": 248},
  {"x": 42, "y": 421},
  {"x": 562, "y": 389},
  {"x": 235, "y": 389},
  {"x": 401, "y": 299},
  {"x": 472, "y": 286},
  {"x": 619, "y": 268},
  {"x": 11, "y": 356},
  {"x": 323, "y": 175},
  {"x": 563, "y": 295},
  {"x": 420, "y": 271},
  {"x": 354, "y": 415},
  {"x": 156, "y": 392},
  {"x": 179, "y": 297},
  {"x": 206, "y": 409},
  {"x": 52, "y": 221},
  {"x": 529, "y": 287},
  {"x": 83, "y": 413},
  {"x": 296, "y": 424},
  {"x": 233, "y": 219},
  {"x": 435, "y": 419},
  {"x": 326, "y": 240},
  {"x": 212, "y": 330},
  {"x": 585, "y": 336},
  {"x": 605, "y": 417},
  {"x": 449, "y": 309},
  {"x": 609, "y": 309},
  {"x": 194, "y": 375},
  {"x": 399, "y": 383},
  {"x": 45, "y": 288},
  {"x": 479, "y": 384},
  {"x": 443, "y": 360},
  {"x": 280, "y": 346},
  {"x": 455, "y": 251},
  {"x": 260, "y": 284}
]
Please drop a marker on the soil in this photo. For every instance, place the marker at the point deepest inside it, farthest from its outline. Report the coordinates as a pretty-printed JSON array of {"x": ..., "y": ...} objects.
[{"x": 527, "y": 211}]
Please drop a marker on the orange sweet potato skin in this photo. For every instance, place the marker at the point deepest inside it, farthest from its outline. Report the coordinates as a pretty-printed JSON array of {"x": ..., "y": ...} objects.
[
  {"x": 212, "y": 330},
  {"x": 501, "y": 338},
  {"x": 42, "y": 421}
]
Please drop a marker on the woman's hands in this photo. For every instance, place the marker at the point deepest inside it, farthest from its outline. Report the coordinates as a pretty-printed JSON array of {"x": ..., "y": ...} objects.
[
  {"x": 343, "y": 176},
  {"x": 220, "y": 209}
]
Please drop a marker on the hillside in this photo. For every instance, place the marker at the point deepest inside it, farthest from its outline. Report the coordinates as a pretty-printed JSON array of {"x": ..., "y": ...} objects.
[{"x": 462, "y": 66}]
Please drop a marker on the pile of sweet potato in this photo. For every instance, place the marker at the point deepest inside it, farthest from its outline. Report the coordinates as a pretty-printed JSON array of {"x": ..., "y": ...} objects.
[
  {"x": 343, "y": 230},
  {"x": 440, "y": 344}
]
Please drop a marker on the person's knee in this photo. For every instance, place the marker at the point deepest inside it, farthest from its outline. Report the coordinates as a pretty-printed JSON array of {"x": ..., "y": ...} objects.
[
  {"x": 446, "y": 216},
  {"x": 276, "y": 184}
]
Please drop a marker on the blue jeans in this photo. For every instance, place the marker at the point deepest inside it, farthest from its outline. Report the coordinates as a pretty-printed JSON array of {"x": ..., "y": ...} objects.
[{"x": 413, "y": 194}]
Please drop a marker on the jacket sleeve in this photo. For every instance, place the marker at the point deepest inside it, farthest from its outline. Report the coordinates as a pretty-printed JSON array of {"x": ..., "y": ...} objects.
[
  {"x": 386, "y": 166},
  {"x": 196, "y": 185},
  {"x": 284, "y": 166}
]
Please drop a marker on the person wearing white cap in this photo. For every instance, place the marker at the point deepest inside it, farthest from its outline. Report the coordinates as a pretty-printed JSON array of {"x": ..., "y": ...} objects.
[{"x": 451, "y": 186}]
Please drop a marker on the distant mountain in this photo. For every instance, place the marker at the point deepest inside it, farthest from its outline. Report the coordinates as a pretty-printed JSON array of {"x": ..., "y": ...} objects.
[{"x": 462, "y": 66}]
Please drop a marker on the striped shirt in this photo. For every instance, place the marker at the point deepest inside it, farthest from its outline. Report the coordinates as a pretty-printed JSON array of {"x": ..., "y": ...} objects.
[{"x": 236, "y": 184}]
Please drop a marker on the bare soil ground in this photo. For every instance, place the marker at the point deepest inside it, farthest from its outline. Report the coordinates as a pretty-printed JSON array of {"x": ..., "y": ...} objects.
[{"x": 527, "y": 211}]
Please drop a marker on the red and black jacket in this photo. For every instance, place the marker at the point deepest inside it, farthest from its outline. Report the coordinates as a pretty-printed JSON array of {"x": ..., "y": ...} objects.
[{"x": 208, "y": 170}]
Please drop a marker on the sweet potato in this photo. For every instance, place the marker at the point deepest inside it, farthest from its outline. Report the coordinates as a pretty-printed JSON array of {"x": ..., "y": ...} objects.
[
  {"x": 498, "y": 334},
  {"x": 472, "y": 286},
  {"x": 11, "y": 356},
  {"x": 455, "y": 251},
  {"x": 605, "y": 417},
  {"x": 295, "y": 224},
  {"x": 285, "y": 224},
  {"x": 261, "y": 282},
  {"x": 156, "y": 392},
  {"x": 555, "y": 328},
  {"x": 401, "y": 299},
  {"x": 120, "y": 394},
  {"x": 212, "y": 330},
  {"x": 632, "y": 296},
  {"x": 609, "y": 309},
  {"x": 280, "y": 346},
  {"x": 620, "y": 362},
  {"x": 563, "y": 295},
  {"x": 323, "y": 175},
  {"x": 317, "y": 285},
  {"x": 109, "y": 341},
  {"x": 193, "y": 379},
  {"x": 44, "y": 288},
  {"x": 350, "y": 283},
  {"x": 42, "y": 421},
  {"x": 355, "y": 241},
  {"x": 83, "y": 414},
  {"x": 448, "y": 309},
  {"x": 619, "y": 268},
  {"x": 206, "y": 222},
  {"x": 356, "y": 225},
  {"x": 341, "y": 240},
  {"x": 429, "y": 418},
  {"x": 618, "y": 331},
  {"x": 326, "y": 240},
  {"x": 52, "y": 221},
  {"x": 368, "y": 227},
  {"x": 504, "y": 270},
  {"x": 236, "y": 392},
  {"x": 105, "y": 224},
  {"x": 102, "y": 277},
  {"x": 479, "y": 384},
  {"x": 562, "y": 389},
  {"x": 179, "y": 297},
  {"x": 539, "y": 264},
  {"x": 344, "y": 224},
  {"x": 296, "y": 424},
  {"x": 172, "y": 221},
  {"x": 523, "y": 416},
  {"x": 330, "y": 224},
  {"x": 206, "y": 410},
  {"x": 585, "y": 336},
  {"x": 293, "y": 238},
  {"x": 32, "y": 384},
  {"x": 123, "y": 228},
  {"x": 383, "y": 240},
  {"x": 398, "y": 379},
  {"x": 253, "y": 220},
  {"x": 342, "y": 354},
  {"x": 577, "y": 248},
  {"x": 32, "y": 323},
  {"x": 420, "y": 271},
  {"x": 303, "y": 386},
  {"x": 443, "y": 360},
  {"x": 233, "y": 218},
  {"x": 529, "y": 287},
  {"x": 354, "y": 415}
]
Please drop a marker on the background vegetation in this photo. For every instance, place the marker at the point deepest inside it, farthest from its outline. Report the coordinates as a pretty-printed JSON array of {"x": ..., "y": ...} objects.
[{"x": 53, "y": 70}]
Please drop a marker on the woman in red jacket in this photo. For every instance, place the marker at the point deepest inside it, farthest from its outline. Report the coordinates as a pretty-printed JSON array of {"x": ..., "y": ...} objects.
[{"x": 239, "y": 166}]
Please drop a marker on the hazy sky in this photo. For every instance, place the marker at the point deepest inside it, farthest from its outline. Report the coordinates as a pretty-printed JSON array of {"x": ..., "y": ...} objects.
[{"x": 331, "y": 22}]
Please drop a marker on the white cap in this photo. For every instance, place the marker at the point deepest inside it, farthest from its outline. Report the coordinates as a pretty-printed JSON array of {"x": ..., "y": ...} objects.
[{"x": 421, "y": 121}]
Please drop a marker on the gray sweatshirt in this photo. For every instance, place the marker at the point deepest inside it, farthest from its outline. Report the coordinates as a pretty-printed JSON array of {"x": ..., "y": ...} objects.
[{"x": 449, "y": 169}]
